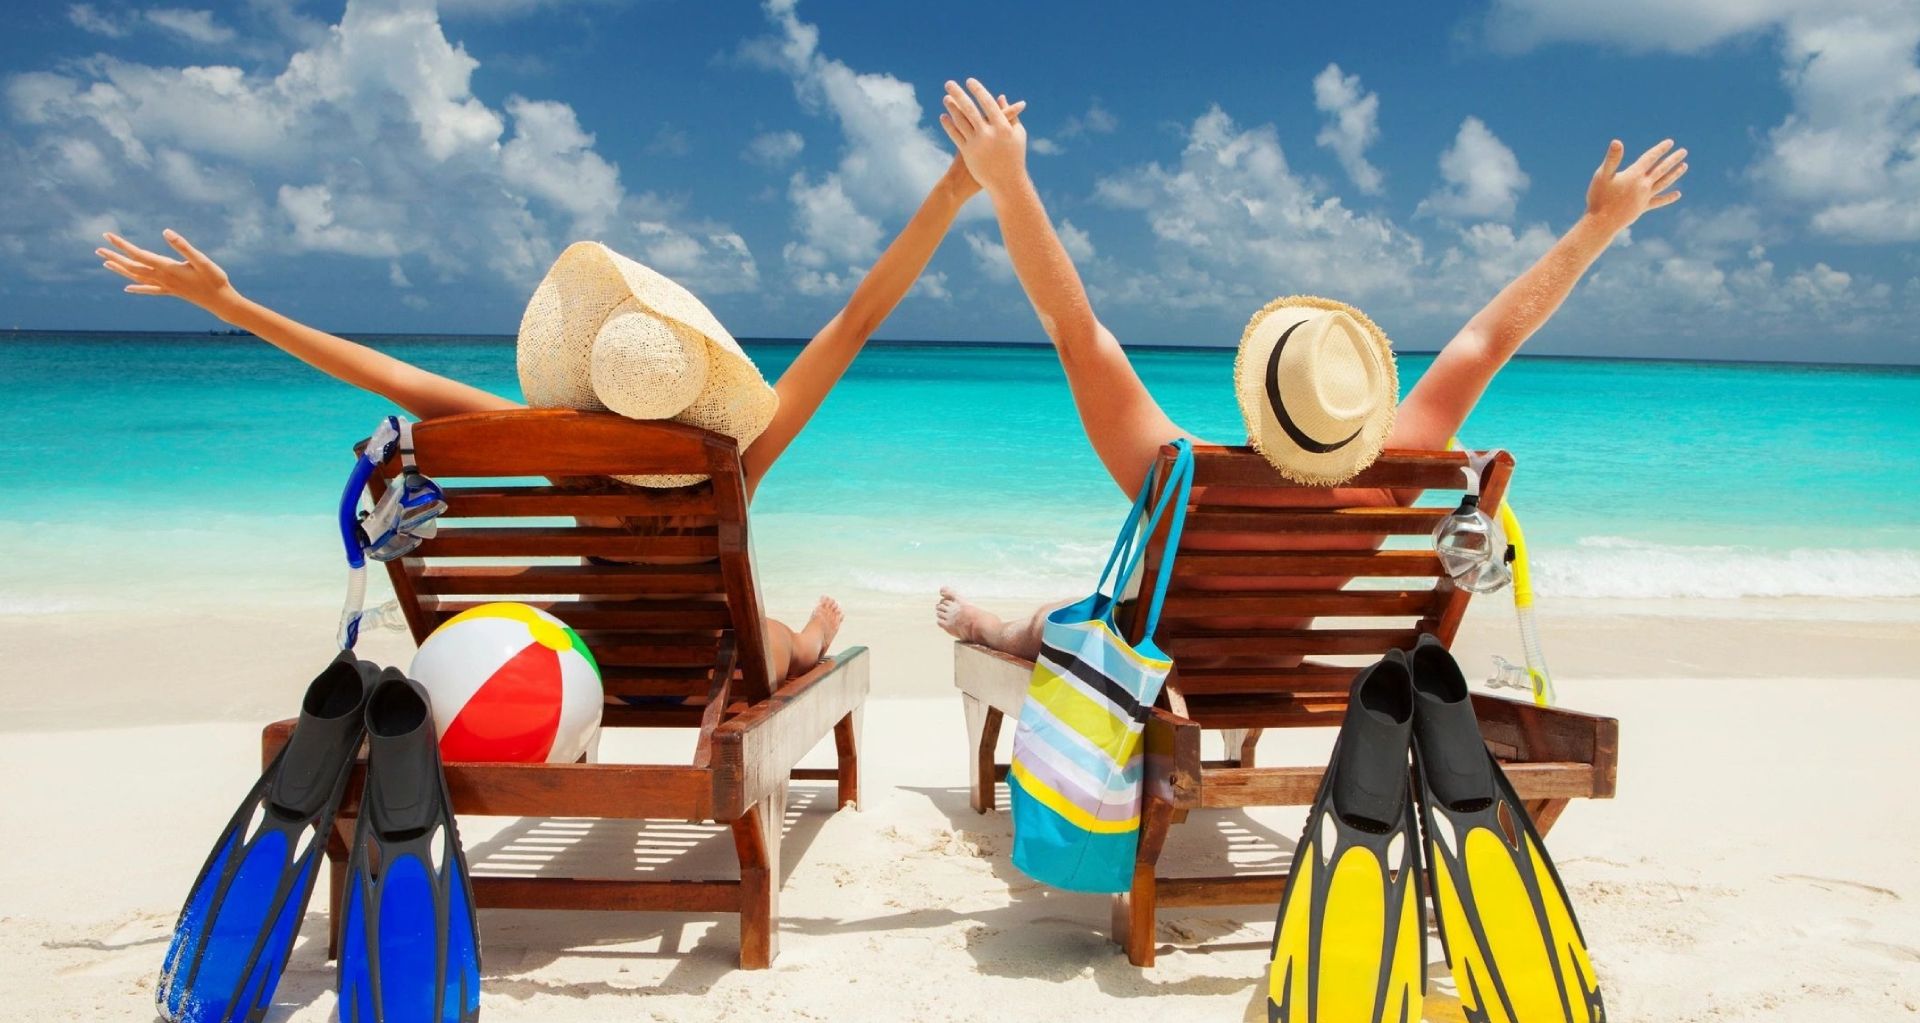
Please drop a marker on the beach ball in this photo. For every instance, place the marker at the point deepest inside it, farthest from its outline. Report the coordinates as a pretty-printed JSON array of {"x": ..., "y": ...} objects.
[{"x": 510, "y": 683}]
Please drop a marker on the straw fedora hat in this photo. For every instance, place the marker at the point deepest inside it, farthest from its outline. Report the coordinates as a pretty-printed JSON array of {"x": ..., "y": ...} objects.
[
  {"x": 1317, "y": 388},
  {"x": 603, "y": 332}
]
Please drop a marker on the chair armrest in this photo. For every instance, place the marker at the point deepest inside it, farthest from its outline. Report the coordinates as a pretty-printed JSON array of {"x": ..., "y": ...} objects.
[
  {"x": 996, "y": 679},
  {"x": 1525, "y": 733},
  {"x": 753, "y": 752}
]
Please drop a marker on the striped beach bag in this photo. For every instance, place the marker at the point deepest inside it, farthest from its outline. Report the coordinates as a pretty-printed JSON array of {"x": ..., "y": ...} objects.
[{"x": 1075, "y": 779}]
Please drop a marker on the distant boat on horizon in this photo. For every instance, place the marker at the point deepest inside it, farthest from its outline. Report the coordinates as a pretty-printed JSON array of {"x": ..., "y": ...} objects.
[{"x": 231, "y": 333}]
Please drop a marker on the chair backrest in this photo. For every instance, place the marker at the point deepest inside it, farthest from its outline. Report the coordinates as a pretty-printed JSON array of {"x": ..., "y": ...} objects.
[
  {"x": 658, "y": 628},
  {"x": 1280, "y": 591}
]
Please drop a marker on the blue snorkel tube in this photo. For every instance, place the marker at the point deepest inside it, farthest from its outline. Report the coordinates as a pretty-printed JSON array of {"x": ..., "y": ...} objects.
[
  {"x": 392, "y": 528},
  {"x": 350, "y": 615}
]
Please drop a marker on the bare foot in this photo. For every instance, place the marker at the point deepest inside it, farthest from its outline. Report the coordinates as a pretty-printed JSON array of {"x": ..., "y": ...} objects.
[
  {"x": 961, "y": 619},
  {"x": 810, "y": 643}
]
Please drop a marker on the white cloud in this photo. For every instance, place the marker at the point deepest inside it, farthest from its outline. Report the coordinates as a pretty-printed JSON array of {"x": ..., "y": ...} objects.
[
  {"x": 888, "y": 159},
  {"x": 1483, "y": 179},
  {"x": 1849, "y": 152},
  {"x": 499, "y": 9},
  {"x": 1353, "y": 126},
  {"x": 670, "y": 141},
  {"x": 551, "y": 157},
  {"x": 774, "y": 148},
  {"x": 369, "y": 142},
  {"x": 1078, "y": 243},
  {"x": 990, "y": 257},
  {"x": 89, "y": 19},
  {"x": 1687, "y": 26},
  {"x": 1234, "y": 225},
  {"x": 192, "y": 25},
  {"x": 932, "y": 285},
  {"x": 1096, "y": 121},
  {"x": 353, "y": 231},
  {"x": 832, "y": 224}
]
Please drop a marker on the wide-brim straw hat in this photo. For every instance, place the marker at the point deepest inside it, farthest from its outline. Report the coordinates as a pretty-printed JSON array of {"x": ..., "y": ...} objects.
[
  {"x": 1317, "y": 388},
  {"x": 603, "y": 332}
]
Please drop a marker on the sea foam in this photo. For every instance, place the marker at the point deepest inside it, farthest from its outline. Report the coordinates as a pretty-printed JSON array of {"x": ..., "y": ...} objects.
[{"x": 1608, "y": 566}]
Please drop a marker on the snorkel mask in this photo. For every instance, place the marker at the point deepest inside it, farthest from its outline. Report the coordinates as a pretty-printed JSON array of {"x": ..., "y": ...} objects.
[
  {"x": 1471, "y": 547},
  {"x": 400, "y": 521}
]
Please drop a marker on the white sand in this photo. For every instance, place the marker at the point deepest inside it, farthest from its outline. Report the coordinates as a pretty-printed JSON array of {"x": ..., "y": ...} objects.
[{"x": 1759, "y": 863}]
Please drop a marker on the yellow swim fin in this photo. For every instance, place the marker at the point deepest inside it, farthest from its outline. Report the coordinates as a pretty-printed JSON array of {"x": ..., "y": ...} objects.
[
  {"x": 1350, "y": 942},
  {"x": 1516, "y": 951}
]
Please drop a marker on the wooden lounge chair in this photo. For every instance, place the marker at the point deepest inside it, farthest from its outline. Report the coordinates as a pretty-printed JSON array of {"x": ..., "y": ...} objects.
[
  {"x": 685, "y": 638},
  {"x": 1250, "y": 619}
]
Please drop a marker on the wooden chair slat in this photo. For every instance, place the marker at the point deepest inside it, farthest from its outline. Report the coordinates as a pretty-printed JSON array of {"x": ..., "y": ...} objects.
[
  {"x": 622, "y": 615},
  {"x": 555, "y": 442},
  {"x": 561, "y": 542},
  {"x": 1394, "y": 469},
  {"x": 689, "y": 683},
  {"x": 1195, "y": 604},
  {"x": 629, "y": 652},
  {"x": 1308, "y": 564},
  {"x": 581, "y": 579},
  {"x": 1268, "y": 710},
  {"x": 1202, "y": 643},
  {"x": 479, "y": 502},
  {"x": 1305, "y": 678},
  {"x": 1259, "y": 526}
]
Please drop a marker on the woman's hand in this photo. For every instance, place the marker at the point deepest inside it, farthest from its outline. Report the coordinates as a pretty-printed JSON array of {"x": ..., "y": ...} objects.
[
  {"x": 991, "y": 139},
  {"x": 194, "y": 278},
  {"x": 959, "y": 178},
  {"x": 1616, "y": 198}
]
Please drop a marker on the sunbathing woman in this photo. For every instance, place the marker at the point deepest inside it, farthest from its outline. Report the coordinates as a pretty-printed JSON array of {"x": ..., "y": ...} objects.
[
  {"x": 800, "y": 390},
  {"x": 1128, "y": 428}
]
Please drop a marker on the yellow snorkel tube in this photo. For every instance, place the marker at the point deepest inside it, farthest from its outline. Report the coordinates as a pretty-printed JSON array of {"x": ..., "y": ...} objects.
[{"x": 1539, "y": 680}]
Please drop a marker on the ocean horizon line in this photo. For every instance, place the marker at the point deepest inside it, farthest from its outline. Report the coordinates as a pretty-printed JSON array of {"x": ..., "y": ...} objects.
[{"x": 438, "y": 337}]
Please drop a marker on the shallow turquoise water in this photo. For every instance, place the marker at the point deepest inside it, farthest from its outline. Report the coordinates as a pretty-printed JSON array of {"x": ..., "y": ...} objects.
[{"x": 144, "y": 467}]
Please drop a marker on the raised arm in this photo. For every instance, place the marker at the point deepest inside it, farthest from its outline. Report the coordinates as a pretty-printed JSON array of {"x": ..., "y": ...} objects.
[
  {"x": 1432, "y": 414},
  {"x": 1124, "y": 423},
  {"x": 198, "y": 280},
  {"x": 825, "y": 358}
]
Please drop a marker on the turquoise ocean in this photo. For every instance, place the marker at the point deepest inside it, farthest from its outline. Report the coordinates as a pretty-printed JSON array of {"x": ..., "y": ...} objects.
[{"x": 190, "y": 470}]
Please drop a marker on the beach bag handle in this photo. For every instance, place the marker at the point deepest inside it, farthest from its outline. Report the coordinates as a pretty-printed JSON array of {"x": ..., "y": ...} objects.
[{"x": 1131, "y": 546}]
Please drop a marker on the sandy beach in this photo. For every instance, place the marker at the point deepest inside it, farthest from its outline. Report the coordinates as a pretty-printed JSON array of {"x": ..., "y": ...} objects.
[{"x": 1758, "y": 863}]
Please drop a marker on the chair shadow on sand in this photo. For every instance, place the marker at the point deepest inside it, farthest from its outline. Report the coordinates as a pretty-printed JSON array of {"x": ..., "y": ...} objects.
[
  {"x": 517, "y": 943},
  {"x": 1048, "y": 934},
  {"x": 1007, "y": 943}
]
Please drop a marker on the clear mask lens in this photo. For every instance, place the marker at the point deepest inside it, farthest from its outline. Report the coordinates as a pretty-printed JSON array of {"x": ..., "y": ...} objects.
[
  {"x": 1472, "y": 549},
  {"x": 404, "y": 517}
]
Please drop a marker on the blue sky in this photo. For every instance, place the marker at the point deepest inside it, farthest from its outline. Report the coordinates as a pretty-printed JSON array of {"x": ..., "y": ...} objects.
[{"x": 401, "y": 165}]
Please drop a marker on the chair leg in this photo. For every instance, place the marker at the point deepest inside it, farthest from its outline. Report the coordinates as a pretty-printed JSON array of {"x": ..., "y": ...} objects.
[
  {"x": 846, "y": 745},
  {"x": 756, "y": 839},
  {"x": 1240, "y": 743},
  {"x": 983, "y": 735},
  {"x": 1545, "y": 812},
  {"x": 1133, "y": 912},
  {"x": 336, "y": 884}
]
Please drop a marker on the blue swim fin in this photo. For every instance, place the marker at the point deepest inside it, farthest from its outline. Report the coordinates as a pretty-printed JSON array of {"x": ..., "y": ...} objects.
[
  {"x": 409, "y": 949},
  {"x": 236, "y": 929}
]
